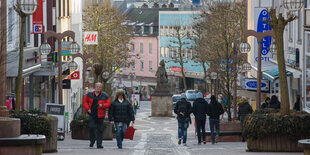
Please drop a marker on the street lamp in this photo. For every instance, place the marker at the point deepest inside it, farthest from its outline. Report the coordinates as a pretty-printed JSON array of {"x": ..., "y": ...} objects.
[
  {"x": 293, "y": 5},
  {"x": 214, "y": 77},
  {"x": 259, "y": 36},
  {"x": 73, "y": 48},
  {"x": 131, "y": 76},
  {"x": 73, "y": 65},
  {"x": 23, "y": 8},
  {"x": 84, "y": 57}
]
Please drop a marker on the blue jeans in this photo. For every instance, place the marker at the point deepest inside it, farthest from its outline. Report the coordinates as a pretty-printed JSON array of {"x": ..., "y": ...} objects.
[
  {"x": 134, "y": 111},
  {"x": 120, "y": 132},
  {"x": 182, "y": 128},
  {"x": 214, "y": 123}
]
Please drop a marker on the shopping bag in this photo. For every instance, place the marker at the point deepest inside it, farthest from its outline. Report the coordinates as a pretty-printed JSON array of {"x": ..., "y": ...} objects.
[{"x": 129, "y": 133}]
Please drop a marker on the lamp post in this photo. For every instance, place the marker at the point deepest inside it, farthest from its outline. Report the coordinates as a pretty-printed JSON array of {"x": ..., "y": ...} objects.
[
  {"x": 45, "y": 48},
  {"x": 3, "y": 110},
  {"x": 131, "y": 76},
  {"x": 23, "y": 8},
  {"x": 84, "y": 57},
  {"x": 214, "y": 77},
  {"x": 244, "y": 48}
]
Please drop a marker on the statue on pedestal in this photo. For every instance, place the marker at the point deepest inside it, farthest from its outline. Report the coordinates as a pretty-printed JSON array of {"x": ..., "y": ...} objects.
[{"x": 161, "y": 74}]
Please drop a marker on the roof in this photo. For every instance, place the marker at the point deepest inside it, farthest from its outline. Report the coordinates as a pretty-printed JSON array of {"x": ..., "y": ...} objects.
[
  {"x": 273, "y": 74},
  {"x": 145, "y": 15}
]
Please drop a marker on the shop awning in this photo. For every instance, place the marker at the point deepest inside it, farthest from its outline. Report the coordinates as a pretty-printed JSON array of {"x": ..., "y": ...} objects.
[{"x": 273, "y": 74}]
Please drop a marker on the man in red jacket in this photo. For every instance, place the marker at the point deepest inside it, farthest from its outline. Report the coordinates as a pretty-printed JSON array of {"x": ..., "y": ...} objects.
[{"x": 95, "y": 104}]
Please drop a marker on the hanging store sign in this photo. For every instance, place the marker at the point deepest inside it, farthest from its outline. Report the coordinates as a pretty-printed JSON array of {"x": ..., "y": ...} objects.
[
  {"x": 37, "y": 19},
  {"x": 90, "y": 38},
  {"x": 251, "y": 84}
]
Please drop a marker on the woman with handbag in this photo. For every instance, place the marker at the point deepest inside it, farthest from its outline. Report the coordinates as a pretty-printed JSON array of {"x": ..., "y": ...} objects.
[{"x": 120, "y": 114}]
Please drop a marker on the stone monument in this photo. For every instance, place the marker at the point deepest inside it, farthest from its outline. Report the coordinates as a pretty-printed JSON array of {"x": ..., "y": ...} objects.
[{"x": 162, "y": 99}]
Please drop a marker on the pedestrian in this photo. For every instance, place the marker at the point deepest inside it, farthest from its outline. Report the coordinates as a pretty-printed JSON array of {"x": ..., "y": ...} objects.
[
  {"x": 200, "y": 106},
  {"x": 214, "y": 110},
  {"x": 244, "y": 109},
  {"x": 121, "y": 114},
  {"x": 266, "y": 104},
  {"x": 96, "y": 103},
  {"x": 135, "y": 106},
  {"x": 275, "y": 103},
  {"x": 297, "y": 103},
  {"x": 183, "y": 109}
]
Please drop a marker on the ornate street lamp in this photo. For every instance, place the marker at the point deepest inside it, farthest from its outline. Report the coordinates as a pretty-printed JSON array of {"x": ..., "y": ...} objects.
[
  {"x": 246, "y": 67},
  {"x": 293, "y": 5},
  {"x": 245, "y": 47},
  {"x": 23, "y": 8},
  {"x": 45, "y": 48},
  {"x": 273, "y": 48},
  {"x": 73, "y": 65},
  {"x": 28, "y": 7},
  {"x": 74, "y": 48},
  {"x": 105, "y": 75}
]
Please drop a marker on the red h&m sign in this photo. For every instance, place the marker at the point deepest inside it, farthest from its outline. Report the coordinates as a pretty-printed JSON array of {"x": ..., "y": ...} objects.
[
  {"x": 90, "y": 38},
  {"x": 75, "y": 75},
  {"x": 177, "y": 69},
  {"x": 37, "y": 19}
]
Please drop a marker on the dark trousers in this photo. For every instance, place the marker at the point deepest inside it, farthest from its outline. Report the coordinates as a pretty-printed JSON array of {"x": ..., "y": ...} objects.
[
  {"x": 93, "y": 123},
  {"x": 214, "y": 123},
  {"x": 200, "y": 125}
]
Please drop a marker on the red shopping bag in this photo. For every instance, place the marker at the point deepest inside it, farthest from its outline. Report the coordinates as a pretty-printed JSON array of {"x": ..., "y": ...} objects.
[{"x": 129, "y": 133}]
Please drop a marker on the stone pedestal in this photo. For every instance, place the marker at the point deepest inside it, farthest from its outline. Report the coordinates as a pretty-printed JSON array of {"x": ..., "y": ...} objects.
[
  {"x": 162, "y": 106},
  {"x": 9, "y": 127},
  {"x": 162, "y": 102}
]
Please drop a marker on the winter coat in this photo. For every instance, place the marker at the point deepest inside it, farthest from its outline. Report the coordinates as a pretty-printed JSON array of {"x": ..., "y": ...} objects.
[
  {"x": 200, "y": 106},
  {"x": 103, "y": 100},
  {"x": 188, "y": 109},
  {"x": 121, "y": 112},
  {"x": 244, "y": 110},
  {"x": 265, "y": 105},
  {"x": 214, "y": 110},
  {"x": 275, "y": 105}
]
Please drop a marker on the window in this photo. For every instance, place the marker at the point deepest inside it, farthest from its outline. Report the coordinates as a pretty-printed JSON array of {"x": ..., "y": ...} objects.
[
  {"x": 290, "y": 32},
  {"x": 10, "y": 24},
  {"x": 151, "y": 30},
  {"x": 150, "y": 66},
  {"x": 299, "y": 25},
  {"x": 162, "y": 51},
  {"x": 150, "y": 47},
  {"x": 133, "y": 66},
  {"x": 141, "y": 65},
  {"x": 132, "y": 47},
  {"x": 141, "y": 47},
  {"x": 189, "y": 54}
]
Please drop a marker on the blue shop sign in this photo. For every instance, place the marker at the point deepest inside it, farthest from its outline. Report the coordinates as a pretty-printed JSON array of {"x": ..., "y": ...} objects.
[
  {"x": 251, "y": 84},
  {"x": 262, "y": 26}
]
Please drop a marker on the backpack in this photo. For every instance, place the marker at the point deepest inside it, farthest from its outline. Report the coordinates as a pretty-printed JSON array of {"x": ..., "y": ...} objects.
[{"x": 182, "y": 108}]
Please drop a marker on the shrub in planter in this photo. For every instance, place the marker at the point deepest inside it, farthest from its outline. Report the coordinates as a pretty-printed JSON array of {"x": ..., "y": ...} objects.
[
  {"x": 79, "y": 128},
  {"x": 269, "y": 124},
  {"x": 33, "y": 122}
]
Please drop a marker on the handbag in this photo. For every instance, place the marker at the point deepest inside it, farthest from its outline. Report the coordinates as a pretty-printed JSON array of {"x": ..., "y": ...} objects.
[{"x": 129, "y": 133}]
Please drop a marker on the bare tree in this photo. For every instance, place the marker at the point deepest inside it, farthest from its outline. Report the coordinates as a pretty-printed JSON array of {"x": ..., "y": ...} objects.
[
  {"x": 221, "y": 25},
  {"x": 113, "y": 37}
]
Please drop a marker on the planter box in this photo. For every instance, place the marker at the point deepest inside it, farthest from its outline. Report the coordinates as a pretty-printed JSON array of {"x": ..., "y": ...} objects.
[
  {"x": 229, "y": 132},
  {"x": 83, "y": 133},
  {"x": 273, "y": 143},
  {"x": 51, "y": 143}
]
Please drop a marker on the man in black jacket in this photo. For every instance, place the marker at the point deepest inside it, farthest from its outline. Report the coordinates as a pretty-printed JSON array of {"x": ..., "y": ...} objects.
[
  {"x": 200, "y": 106},
  {"x": 183, "y": 109},
  {"x": 214, "y": 111}
]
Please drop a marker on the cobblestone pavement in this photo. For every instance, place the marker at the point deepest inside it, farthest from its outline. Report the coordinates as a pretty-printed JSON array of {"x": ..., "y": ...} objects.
[{"x": 155, "y": 136}]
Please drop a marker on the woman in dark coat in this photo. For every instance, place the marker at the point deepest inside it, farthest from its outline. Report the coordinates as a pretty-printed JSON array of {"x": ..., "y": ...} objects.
[
  {"x": 121, "y": 114},
  {"x": 274, "y": 103}
]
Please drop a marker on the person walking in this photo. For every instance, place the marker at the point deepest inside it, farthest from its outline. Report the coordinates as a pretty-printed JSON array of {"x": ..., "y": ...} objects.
[
  {"x": 183, "y": 109},
  {"x": 135, "y": 106},
  {"x": 297, "y": 103},
  {"x": 266, "y": 104},
  {"x": 200, "y": 106},
  {"x": 275, "y": 103},
  {"x": 95, "y": 104},
  {"x": 244, "y": 109},
  {"x": 214, "y": 110},
  {"x": 121, "y": 114}
]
